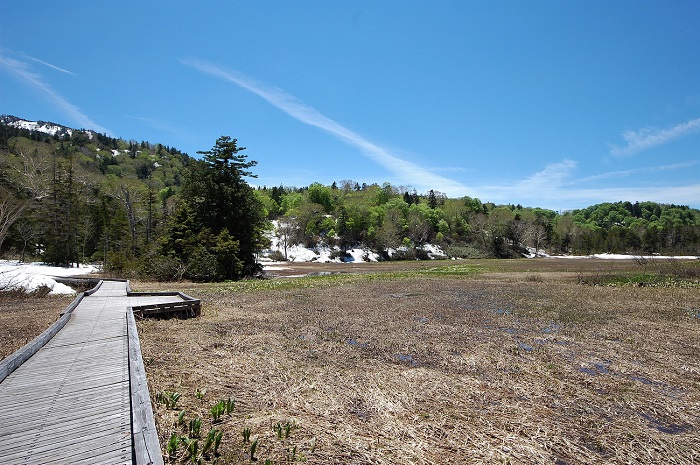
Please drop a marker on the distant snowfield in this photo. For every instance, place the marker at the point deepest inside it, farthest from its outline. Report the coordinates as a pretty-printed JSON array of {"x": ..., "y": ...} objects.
[{"x": 32, "y": 276}]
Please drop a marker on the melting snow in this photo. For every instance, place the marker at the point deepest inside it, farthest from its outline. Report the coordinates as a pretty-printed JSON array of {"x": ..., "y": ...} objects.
[{"x": 32, "y": 276}]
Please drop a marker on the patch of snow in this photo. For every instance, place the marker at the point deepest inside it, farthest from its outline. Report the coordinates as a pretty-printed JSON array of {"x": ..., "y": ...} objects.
[
  {"x": 434, "y": 251},
  {"x": 532, "y": 254},
  {"x": 157, "y": 165},
  {"x": 32, "y": 276},
  {"x": 115, "y": 153},
  {"x": 47, "y": 128},
  {"x": 612, "y": 256},
  {"x": 299, "y": 253}
]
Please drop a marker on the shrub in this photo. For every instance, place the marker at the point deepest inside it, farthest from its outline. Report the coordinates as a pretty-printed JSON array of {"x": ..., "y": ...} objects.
[
  {"x": 202, "y": 265},
  {"x": 161, "y": 267},
  {"x": 277, "y": 256},
  {"x": 464, "y": 251}
]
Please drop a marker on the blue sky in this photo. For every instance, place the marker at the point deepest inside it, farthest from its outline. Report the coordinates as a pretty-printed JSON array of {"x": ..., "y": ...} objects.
[{"x": 543, "y": 103}]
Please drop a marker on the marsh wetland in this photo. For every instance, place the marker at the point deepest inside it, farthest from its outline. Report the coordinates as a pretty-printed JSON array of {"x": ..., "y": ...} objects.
[{"x": 526, "y": 361}]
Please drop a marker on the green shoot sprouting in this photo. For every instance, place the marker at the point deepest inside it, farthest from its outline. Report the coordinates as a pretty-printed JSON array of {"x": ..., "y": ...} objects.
[
  {"x": 195, "y": 426},
  {"x": 253, "y": 448}
]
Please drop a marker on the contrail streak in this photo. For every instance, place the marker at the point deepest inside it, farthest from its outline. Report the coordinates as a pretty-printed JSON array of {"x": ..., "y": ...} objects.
[{"x": 405, "y": 170}]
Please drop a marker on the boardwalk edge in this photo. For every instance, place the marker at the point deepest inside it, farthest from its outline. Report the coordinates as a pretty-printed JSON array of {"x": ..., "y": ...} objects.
[
  {"x": 21, "y": 355},
  {"x": 146, "y": 446}
]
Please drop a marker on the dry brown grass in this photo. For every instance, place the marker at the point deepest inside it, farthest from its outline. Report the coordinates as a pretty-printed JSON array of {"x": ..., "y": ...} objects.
[
  {"x": 22, "y": 318},
  {"x": 516, "y": 365}
]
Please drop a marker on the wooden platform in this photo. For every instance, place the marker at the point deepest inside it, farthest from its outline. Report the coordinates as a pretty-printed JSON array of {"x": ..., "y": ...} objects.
[{"x": 70, "y": 403}]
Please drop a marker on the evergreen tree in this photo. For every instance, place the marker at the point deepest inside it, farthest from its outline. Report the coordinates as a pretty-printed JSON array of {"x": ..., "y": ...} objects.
[
  {"x": 219, "y": 199},
  {"x": 432, "y": 199}
]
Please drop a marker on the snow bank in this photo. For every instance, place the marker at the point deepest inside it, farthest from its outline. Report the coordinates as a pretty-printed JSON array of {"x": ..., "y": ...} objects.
[{"x": 32, "y": 276}]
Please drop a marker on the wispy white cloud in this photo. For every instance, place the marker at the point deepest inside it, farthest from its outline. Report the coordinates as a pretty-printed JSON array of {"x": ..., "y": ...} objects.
[
  {"x": 552, "y": 188},
  {"x": 647, "y": 138},
  {"x": 637, "y": 171},
  {"x": 50, "y": 65},
  {"x": 23, "y": 71},
  {"x": 578, "y": 198},
  {"x": 551, "y": 177},
  {"x": 405, "y": 171},
  {"x": 563, "y": 198}
]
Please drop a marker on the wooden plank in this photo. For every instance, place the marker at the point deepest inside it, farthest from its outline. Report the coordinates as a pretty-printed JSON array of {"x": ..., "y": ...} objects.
[
  {"x": 144, "y": 434},
  {"x": 16, "y": 442}
]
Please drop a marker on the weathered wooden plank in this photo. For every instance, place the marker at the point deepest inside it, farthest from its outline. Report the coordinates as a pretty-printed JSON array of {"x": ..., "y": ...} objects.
[
  {"x": 35, "y": 388},
  {"x": 97, "y": 450},
  {"x": 76, "y": 402},
  {"x": 82, "y": 438},
  {"x": 145, "y": 437},
  {"x": 17, "y": 442},
  {"x": 49, "y": 432},
  {"x": 46, "y": 398}
]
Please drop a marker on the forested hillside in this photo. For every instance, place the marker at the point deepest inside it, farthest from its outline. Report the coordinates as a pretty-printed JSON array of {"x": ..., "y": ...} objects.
[
  {"x": 385, "y": 218},
  {"x": 70, "y": 196}
]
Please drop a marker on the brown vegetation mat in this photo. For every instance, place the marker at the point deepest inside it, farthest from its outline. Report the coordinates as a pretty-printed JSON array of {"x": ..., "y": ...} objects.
[
  {"x": 22, "y": 318},
  {"x": 499, "y": 367}
]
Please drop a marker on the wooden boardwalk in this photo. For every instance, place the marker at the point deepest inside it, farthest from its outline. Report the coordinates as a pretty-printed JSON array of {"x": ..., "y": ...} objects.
[{"x": 70, "y": 403}]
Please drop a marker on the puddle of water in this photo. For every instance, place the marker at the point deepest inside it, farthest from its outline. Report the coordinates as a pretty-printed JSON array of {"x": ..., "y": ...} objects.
[
  {"x": 665, "y": 428},
  {"x": 353, "y": 342},
  {"x": 602, "y": 368},
  {"x": 596, "y": 369},
  {"x": 421, "y": 319},
  {"x": 405, "y": 359},
  {"x": 504, "y": 311},
  {"x": 525, "y": 347},
  {"x": 665, "y": 388},
  {"x": 552, "y": 328},
  {"x": 323, "y": 273},
  {"x": 643, "y": 380}
]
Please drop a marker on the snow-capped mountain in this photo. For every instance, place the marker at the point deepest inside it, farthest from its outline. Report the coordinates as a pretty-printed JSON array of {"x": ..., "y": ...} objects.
[{"x": 52, "y": 129}]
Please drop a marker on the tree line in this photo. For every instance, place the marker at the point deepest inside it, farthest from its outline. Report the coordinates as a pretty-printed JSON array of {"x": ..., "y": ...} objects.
[
  {"x": 387, "y": 218},
  {"x": 150, "y": 210}
]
